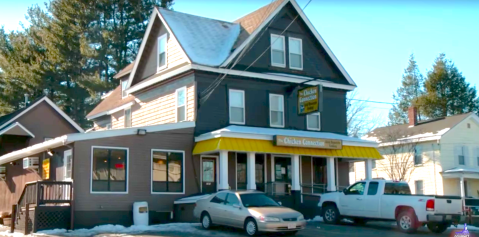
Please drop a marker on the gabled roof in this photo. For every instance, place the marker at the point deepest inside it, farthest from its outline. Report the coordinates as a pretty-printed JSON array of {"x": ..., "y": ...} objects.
[
  {"x": 125, "y": 71},
  {"x": 114, "y": 100},
  {"x": 433, "y": 129},
  {"x": 16, "y": 129},
  {"x": 8, "y": 119}
]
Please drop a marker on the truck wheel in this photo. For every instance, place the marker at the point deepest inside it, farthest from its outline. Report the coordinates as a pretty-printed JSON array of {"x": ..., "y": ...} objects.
[
  {"x": 437, "y": 227},
  {"x": 331, "y": 215},
  {"x": 406, "y": 222},
  {"x": 359, "y": 221}
]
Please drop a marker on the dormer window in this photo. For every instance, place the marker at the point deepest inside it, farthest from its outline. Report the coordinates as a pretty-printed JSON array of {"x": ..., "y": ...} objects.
[
  {"x": 295, "y": 53},
  {"x": 162, "y": 41},
  {"x": 124, "y": 83},
  {"x": 278, "y": 57}
]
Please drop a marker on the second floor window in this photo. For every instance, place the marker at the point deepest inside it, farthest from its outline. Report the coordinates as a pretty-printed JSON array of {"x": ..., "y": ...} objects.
[
  {"x": 162, "y": 52},
  {"x": 313, "y": 121},
  {"x": 461, "y": 155},
  {"x": 124, "y": 83},
  {"x": 417, "y": 155},
  {"x": 277, "y": 51},
  {"x": 128, "y": 118},
  {"x": 276, "y": 110},
  {"x": 237, "y": 106},
  {"x": 295, "y": 53},
  {"x": 181, "y": 104},
  {"x": 419, "y": 187}
]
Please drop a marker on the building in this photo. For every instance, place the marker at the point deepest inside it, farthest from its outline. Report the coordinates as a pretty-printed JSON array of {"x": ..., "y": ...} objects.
[
  {"x": 258, "y": 103},
  {"x": 442, "y": 154},
  {"x": 21, "y": 129}
]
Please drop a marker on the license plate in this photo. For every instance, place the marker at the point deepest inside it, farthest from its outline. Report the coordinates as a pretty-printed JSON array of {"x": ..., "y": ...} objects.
[
  {"x": 448, "y": 217},
  {"x": 292, "y": 226}
]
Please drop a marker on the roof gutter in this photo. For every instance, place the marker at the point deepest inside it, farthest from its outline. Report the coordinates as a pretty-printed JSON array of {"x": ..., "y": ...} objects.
[{"x": 35, "y": 149}]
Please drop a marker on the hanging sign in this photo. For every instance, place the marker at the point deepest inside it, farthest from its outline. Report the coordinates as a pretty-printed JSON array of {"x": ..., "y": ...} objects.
[
  {"x": 46, "y": 168},
  {"x": 307, "y": 142},
  {"x": 308, "y": 100}
]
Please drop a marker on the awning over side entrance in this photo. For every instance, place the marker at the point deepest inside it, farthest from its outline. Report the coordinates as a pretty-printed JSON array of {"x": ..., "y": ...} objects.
[{"x": 267, "y": 146}]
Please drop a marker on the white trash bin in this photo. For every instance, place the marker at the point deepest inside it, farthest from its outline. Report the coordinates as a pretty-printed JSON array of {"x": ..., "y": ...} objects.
[{"x": 140, "y": 213}]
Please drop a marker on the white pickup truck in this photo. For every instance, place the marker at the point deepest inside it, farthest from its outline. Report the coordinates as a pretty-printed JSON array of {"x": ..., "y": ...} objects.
[{"x": 382, "y": 200}]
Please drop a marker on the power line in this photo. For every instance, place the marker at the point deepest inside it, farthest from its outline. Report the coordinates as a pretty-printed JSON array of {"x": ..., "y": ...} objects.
[{"x": 372, "y": 101}]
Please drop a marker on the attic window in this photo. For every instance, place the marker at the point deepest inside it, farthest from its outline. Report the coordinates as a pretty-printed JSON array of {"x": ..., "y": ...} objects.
[
  {"x": 162, "y": 41},
  {"x": 468, "y": 125},
  {"x": 278, "y": 51},
  {"x": 124, "y": 83},
  {"x": 295, "y": 53}
]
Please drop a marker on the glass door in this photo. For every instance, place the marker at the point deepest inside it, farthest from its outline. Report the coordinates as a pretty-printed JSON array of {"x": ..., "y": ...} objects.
[
  {"x": 282, "y": 174},
  {"x": 209, "y": 175}
]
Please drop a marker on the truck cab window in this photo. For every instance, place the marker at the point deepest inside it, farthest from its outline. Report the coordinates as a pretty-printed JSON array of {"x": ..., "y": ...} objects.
[
  {"x": 373, "y": 188},
  {"x": 357, "y": 189},
  {"x": 397, "y": 188}
]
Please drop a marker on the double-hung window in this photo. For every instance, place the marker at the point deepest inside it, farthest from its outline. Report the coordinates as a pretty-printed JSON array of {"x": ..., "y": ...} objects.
[
  {"x": 461, "y": 156},
  {"x": 313, "y": 121},
  {"x": 237, "y": 106},
  {"x": 278, "y": 57},
  {"x": 276, "y": 110},
  {"x": 128, "y": 118},
  {"x": 162, "y": 50},
  {"x": 109, "y": 172},
  {"x": 167, "y": 171},
  {"x": 418, "y": 155},
  {"x": 124, "y": 83},
  {"x": 419, "y": 186},
  {"x": 181, "y": 104},
  {"x": 295, "y": 53}
]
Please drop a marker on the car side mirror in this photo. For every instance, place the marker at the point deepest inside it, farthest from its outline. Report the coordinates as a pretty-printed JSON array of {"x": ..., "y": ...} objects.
[
  {"x": 281, "y": 204},
  {"x": 345, "y": 190}
]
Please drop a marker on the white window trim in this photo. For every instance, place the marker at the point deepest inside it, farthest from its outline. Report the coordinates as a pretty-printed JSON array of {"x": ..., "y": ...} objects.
[
  {"x": 124, "y": 117},
  {"x": 127, "y": 168},
  {"x": 284, "y": 51},
  {"x": 270, "y": 123},
  {"x": 301, "y": 50},
  {"x": 319, "y": 122},
  {"x": 244, "y": 106},
  {"x": 121, "y": 85},
  {"x": 158, "y": 53},
  {"x": 182, "y": 173},
  {"x": 176, "y": 104},
  {"x": 65, "y": 154}
]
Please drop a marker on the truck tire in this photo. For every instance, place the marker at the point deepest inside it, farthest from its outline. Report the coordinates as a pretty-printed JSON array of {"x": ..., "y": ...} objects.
[
  {"x": 406, "y": 221},
  {"x": 437, "y": 227},
  {"x": 331, "y": 215}
]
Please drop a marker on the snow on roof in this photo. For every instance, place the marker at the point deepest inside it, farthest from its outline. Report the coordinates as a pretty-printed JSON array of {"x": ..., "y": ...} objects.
[
  {"x": 191, "y": 199},
  {"x": 268, "y": 133},
  {"x": 213, "y": 39},
  {"x": 461, "y": 170}
]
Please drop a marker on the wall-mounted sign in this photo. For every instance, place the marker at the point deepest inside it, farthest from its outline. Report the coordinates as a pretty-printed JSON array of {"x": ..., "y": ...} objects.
[
  {"x": 307, "y": 142},
  {"x": 46, "y": 168},
  {"x": 308, "y": 100}
]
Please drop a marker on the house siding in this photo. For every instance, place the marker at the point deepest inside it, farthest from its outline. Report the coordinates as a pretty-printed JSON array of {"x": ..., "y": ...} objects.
[
  {"x": 95, "y": 209},
  {"x": 214, "y": 113},
  {"x": 316, "y": 62}
]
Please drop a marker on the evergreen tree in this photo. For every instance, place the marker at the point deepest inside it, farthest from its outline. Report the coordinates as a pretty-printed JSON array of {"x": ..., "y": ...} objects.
[
  {"x": 447, "y": 92},
  {"x": 408, "y": 94}
]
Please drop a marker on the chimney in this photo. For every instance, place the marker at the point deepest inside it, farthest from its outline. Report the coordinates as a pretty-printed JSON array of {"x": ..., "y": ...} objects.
[{"x": 412, "y": 115}]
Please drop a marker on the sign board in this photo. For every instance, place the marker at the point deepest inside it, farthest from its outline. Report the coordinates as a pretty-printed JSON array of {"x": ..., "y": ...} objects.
[
  {"x": 46, "y": 168},
  {"x": 307, "y": 142},
  {"x": 308, "y": 100}
]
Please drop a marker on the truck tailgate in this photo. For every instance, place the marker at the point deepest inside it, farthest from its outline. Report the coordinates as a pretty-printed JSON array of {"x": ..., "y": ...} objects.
[{"x": 448, "y": 205}]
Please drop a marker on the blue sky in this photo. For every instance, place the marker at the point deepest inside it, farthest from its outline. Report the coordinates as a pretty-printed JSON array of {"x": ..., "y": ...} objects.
[{"x": 372, "y": 39}]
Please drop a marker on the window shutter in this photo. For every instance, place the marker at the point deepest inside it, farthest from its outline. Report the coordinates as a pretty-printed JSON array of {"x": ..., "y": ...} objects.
[
  {"x": 457, "y": 152},
  {"x": 466, "y": 155}
]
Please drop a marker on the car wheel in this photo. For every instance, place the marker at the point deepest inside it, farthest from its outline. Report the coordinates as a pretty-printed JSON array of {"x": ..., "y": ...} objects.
[
  {"x": 250, "y": 227},
  {"x": 437, "y": 227},
  {"x": 360, "y": 221},
  {"x": 291, "y": 233},
  {"x": 331, "y": 215},
  {"x": 206, "y": 222},
  {"x": 406, "y": 222}
]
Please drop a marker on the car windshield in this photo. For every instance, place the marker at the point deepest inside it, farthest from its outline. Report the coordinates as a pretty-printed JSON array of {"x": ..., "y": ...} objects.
[{"x": 257, "y": 200}]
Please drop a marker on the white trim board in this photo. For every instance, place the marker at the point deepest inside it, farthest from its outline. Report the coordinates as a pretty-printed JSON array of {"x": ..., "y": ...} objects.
[
  {"x": 54, "y": 106},
  {"x": 111, "y": 111},
  {"x": 311, "y": 28},
  {"x": 70, "y": 138},
  {"x": 14, "y": 125}
]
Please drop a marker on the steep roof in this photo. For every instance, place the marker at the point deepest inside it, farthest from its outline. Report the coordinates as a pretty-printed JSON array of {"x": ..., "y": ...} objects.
[
  {"x": 114, "y": 100},
  {"x": 428, "y": 128},
  {"x": 125, "y": 71}
]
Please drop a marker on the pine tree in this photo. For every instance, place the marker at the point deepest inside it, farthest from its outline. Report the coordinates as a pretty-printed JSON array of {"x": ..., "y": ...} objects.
[
  {"x": 447, "y": 92},
  {"x": 408, "y": 94}
]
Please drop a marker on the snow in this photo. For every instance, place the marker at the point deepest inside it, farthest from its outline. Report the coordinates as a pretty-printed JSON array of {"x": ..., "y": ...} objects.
[
  {"x": 206, "y": 41},
  {"x": 192, "y": 199},
  {"x": 189, "y": 228},
  {"x": 316, "y": 219},
  {"x": 461, "y": 227}
]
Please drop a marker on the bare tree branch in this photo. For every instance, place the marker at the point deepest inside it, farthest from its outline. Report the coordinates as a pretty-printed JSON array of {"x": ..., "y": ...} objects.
[{"x": 360, "y": 117}]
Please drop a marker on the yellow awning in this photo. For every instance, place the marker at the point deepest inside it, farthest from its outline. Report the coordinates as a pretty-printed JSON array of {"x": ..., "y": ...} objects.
[{"x": 265, "y": 146}]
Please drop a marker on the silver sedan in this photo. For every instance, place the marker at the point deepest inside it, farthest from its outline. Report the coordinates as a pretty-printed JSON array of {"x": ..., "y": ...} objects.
[{"x": 250, "y": 210}]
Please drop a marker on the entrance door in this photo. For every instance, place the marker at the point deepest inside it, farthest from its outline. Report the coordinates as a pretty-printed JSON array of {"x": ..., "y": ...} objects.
[
  {"x": 209, "y": 175},
  {"x": 282, "y": 174}
]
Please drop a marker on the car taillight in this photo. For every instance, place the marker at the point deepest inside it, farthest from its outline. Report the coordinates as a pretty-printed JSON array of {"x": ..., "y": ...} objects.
[{"x": 430, "y": 205}]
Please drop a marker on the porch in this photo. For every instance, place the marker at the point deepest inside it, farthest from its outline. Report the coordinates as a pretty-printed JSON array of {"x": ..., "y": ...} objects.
[
  {"x": 236, "y": 159},
  {"x": 461, "y": 181}
]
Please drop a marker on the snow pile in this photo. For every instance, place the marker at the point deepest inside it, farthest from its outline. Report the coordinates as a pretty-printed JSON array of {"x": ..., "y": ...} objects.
[
  {"x": 193, "y": 229},
  {"x": 316, "y": 219},
  {"x": 461, "y": 227}
]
